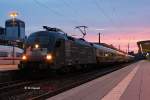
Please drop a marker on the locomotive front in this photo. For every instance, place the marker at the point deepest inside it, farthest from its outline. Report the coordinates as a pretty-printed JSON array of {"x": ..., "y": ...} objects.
[{"x": 39, "y": 51}]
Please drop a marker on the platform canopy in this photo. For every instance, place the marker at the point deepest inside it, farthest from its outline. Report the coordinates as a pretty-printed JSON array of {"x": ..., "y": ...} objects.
[{"x": 144, "y": 46}]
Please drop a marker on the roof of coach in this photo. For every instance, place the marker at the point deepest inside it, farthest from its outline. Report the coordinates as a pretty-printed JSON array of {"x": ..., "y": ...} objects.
[
  {"x": 104, "y": 48},
  {"x": 83, "y": 42},
  {"x": 130, "y": 56}
]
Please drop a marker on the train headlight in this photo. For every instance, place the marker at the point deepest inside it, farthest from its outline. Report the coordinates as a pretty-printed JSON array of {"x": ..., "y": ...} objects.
[
  {"x": 49, "y": 57},
  {"x": 36, "y": 46},
  {"x": 24, "y": 57}
]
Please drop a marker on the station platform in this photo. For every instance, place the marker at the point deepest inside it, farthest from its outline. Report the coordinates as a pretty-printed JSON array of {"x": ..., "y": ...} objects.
[
  {"x": 129, "y": 83},
  {"x": 8, "y": 67}
]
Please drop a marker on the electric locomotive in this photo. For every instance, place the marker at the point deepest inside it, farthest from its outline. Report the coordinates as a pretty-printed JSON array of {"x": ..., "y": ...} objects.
[{"x": 54, "y": 49}]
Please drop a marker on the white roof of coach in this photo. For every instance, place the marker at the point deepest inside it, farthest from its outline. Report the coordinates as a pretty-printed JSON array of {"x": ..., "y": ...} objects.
[
  {"x": 104, "y": 48},
  {"x": 10, "y": 48}
]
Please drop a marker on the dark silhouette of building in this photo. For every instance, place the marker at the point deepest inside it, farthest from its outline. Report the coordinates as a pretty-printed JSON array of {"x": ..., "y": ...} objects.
[
  {"x": 2, "y": 33},
  {"x": 15, "y": 29},
  {"x": 144, "y": 48}
]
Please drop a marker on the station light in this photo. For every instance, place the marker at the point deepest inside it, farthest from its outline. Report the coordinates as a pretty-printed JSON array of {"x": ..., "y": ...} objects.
[
  {"x": 13, "y": 14},
  {"x": 49, "y": 57}
]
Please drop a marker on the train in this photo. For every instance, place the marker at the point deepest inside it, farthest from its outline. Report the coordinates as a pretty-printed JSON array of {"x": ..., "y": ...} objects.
[
  {"x": 54, "y": 49},
  {"x": 6, "y": 52}
]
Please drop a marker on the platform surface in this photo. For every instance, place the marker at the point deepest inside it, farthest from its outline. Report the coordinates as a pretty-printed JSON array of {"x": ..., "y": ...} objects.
[
  {"x": 129, "y": 83},
  {"x": 8, "y": 67},
  {"x": 9, "y": 62},
  {"x": 139, "y": 87}
]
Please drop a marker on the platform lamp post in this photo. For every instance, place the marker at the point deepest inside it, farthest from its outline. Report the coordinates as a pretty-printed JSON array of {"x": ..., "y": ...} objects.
[
  {"x": 99, "y": 37},
  {"x": 13, "y": 15},
  {"x": 128, "y": 47},
  {"x": 119, "y": 44}
]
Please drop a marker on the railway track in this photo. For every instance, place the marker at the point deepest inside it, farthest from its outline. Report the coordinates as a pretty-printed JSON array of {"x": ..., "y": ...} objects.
[
  {"x": 14, "y": 85},
  {"x": 78, "y": 80},
  {"x": 42, "y": 89},
  {"x": 81, "y": 79},
  {"x": 9, "y": 83}
]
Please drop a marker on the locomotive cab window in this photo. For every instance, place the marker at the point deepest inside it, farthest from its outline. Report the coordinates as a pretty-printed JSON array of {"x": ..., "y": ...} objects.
[{"x": 43, "y": 39}]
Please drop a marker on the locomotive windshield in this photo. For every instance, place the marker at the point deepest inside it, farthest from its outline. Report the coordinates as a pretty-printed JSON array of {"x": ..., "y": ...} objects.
[{"x": 44, "y": 39}]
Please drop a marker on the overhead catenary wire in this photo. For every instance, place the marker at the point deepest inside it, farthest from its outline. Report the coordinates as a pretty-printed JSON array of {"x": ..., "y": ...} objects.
[
  {"x": 53, "y": 11},
  {"x": 102, "y": 11},
  {"x": 49, "y": 9},
  {"x": 74, "y": 12},
  {"x": 116, "y": 24},
  {"x": 69, "y": 6}
]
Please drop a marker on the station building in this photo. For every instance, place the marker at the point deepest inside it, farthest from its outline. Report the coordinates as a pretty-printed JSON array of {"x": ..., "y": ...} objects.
[
  {"x": 2, "y": 33},
  {"x": 2, "y": 30},
  {"x": 144, "y": 47},
  {"x": 12, "y": 36},
  {"x": 15, "y": 29}
]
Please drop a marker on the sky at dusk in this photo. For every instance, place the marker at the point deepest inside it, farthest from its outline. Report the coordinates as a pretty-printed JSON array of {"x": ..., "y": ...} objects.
[{"x": 120, "y": 21}]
